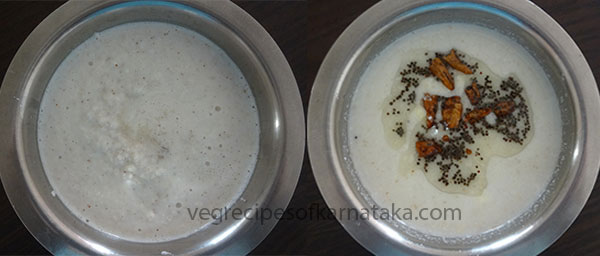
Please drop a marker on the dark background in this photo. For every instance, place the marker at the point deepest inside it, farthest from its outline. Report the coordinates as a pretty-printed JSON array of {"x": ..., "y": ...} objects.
[{"x": 305, "y": 30}]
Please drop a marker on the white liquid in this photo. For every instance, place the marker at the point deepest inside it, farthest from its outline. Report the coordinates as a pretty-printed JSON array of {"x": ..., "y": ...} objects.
[
  {"x": 412, "y": 116},
  {"x": 140, "y": 122},
  {"x": 391, "y": 176}
]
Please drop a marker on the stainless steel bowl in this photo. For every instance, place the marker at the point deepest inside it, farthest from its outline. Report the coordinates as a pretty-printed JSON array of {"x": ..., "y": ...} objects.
[
  {"x": 244, "y": 40},
  {"x": 542, "y": 37}
]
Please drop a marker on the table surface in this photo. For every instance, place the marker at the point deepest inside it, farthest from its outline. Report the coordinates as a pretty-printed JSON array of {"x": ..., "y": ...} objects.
[{"x": 305, "y": 30}]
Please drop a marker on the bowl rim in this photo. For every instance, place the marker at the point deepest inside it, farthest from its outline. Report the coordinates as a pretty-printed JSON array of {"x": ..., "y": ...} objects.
[
  {"x": 280, "y": 74},
  {"x": 329, "y": 174}
]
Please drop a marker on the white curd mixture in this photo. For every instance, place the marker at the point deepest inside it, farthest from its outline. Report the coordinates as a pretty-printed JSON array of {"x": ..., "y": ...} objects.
[
  {"x": 507, "y": 176},
  {"x": 140, "y": 122}
]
